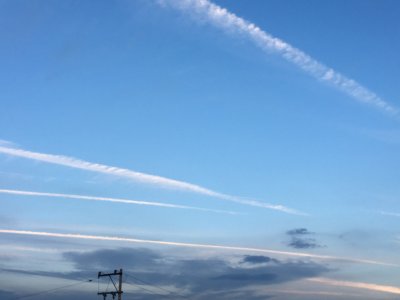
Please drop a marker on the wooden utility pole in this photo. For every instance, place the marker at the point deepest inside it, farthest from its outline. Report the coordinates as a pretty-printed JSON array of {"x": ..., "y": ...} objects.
[{"x": 118, "y": 290}]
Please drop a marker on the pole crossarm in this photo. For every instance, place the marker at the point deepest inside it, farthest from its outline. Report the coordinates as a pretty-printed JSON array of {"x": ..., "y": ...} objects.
[{"x": 118, "y": 290}]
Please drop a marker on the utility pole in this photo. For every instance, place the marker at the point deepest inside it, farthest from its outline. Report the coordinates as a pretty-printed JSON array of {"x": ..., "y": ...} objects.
[{"x": 118, "y": 290}]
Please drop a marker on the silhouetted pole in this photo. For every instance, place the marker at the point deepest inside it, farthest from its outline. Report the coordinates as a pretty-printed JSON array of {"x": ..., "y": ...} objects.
[
  {"x": 120, "y": 285},
  {"x": 118, "y": 291}
]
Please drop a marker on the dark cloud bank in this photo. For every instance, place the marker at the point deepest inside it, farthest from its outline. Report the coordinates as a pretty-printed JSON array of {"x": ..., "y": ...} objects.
[{"x": 212, "y": 278}]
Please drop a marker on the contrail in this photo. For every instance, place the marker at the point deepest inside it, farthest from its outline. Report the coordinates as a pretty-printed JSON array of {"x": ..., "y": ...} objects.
[
  {"x": 114, "y": 200},
  {"x": 222, "y": 18},
  {"x": 359, "y": 285},
  {"x": 139, "y": 177},
  {"x": 193, "y": 245}
]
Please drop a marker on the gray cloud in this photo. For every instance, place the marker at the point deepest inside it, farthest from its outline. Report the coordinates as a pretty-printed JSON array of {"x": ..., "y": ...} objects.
[
  {"x": 298, "y": 231},
  {"x": 205, "y": 277},
  {"x": 299, "y": 241},
  {"x": 47, "y": 294},
  {"x": 233, "y": 277},
  {"x": 6, "y": 295},
  {"x": 257, "y": 259},
  {"x": 114, "y": 259}
]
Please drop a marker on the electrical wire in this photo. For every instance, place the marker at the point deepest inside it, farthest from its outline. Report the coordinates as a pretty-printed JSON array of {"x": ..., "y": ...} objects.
[
  {"x": 149, "y": 284},
  {"x": 170, "y": 293},
  {"x": 145, "y": 289},
  {"x": 52, "y": 290}
]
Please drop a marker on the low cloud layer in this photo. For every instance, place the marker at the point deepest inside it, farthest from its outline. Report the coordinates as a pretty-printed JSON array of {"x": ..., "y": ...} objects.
[
  {"x": 227, "y": 278},
  {"x": 149, "y": 274},
  {"x": 6, "y": 295}
]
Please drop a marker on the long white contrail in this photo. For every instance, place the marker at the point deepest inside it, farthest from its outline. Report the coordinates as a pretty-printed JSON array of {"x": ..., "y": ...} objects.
[
  {"x": 222, "y": 18},
  {"x": 114, "y": 200},
  {"x": 193, "y": 245},
  {"x": 138, "y": 176},
  {"x": 358, "y": 285}
]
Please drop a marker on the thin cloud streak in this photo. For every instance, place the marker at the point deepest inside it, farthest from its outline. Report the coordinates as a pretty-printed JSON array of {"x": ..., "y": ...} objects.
[
  {"x": 385, "y": 213},
  {"x": 113, "y": 200},
  {"x": 193, "y": 245},
  {"x": 31, "y": 249},
  {"x": 139, "y": 177},
  {"x": 222, "y": 18},
  {"x": 311, "y": 293},
  {"x": 358, "y": 285}
]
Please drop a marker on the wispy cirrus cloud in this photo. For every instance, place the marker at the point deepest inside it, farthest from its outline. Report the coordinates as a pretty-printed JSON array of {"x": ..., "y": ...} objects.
[
  {"x": 313, "y": 293},
  {"x": 222, "y": 18},
  {"x": 158, "y": 181},
  {"x": 358, "y": 285},
  {"x": 392, "y": 214},
  {"x": 192, "y": 245},
  {"x": 113, "y": 200},
  {"x": 6, "y": 143}
]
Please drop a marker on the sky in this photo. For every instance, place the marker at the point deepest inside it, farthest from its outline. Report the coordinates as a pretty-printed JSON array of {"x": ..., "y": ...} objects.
[{"x": 212, "y": 150}]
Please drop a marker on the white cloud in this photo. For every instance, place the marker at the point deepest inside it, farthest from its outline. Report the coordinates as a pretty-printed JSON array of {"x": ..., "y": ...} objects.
[
  {"x": 358, "y": 285},
  {"x": 139, "y": 177},
  {"x": 108, "y": 199},
  {"x": 222, "y": 18},
  {"x": 311, "y": 293},
  {"x": 392, "y": 214},
  {"x": 6, "y": 143}
]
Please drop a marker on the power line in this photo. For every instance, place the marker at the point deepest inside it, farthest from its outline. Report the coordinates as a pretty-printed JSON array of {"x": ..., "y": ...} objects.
[
  {"x": 52, "y": 290},
  {"x": 170, "y": 293},
  {"x": 145, "y": 289}
]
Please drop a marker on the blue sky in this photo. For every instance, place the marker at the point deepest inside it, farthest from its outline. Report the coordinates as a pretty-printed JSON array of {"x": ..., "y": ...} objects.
[{"x": 285, "y": 133}]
